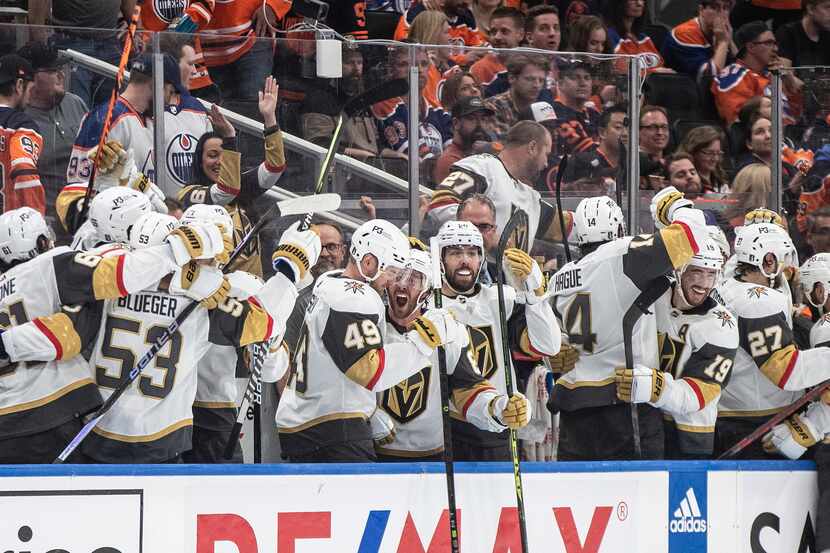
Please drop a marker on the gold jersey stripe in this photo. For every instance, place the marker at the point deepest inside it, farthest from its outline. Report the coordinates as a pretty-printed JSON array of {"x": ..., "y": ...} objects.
[
  {"x": 677, "y": 245},
  {"x": 749, "y": 413},
  {"x": 463, "y": 397},
  {"x": 108, "y": 279},
  {"x": 46, "y": 399},
  {"x": 779, "y": 366},
  {"x": 61, "y": 332},
  {"x": 365, "y": 370},
  {"x": 320, "y": 420},
  {"x": 707, "y": 391},
  {"x": 695, "y": 429},
  {"x": 586, "y": 383},
  {"x": 214, "y": 404},
  {"x": 143, "y": 439},
  {"x": 229, "y": 172},
  {"x": 408, "y": 454},
  {"x": 258, "y": 325}
]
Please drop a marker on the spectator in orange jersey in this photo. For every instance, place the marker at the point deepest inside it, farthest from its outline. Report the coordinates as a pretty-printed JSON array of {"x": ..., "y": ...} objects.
[
  {"x": 239, "y": 63},
  {"x": 463, "y": 30},
  {"x": 699, "y": 47},
  {"x": 483, "y": 14},
  {"x": 527, "y": 76},
  {"x": 506, "y": 33},
  {"x": 432, "y": 28},
  {"x": 749, "y": 75},
  {"x": 20, "y": 136},
  {"x": 626, "y": 21}
]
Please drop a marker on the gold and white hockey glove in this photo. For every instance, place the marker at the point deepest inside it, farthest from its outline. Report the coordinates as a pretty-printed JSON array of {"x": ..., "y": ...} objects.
[
  {"x": 763, "y": 215},
  {"x": 434, "y": 328},
  {"x": 527, "y": 272},
  {"x": 383, "y": 429},
  {"x": 665, "y": 203},
  {"x": 298, "y": 249},
  {"x": 792, "y": 438},
  {"x": 203, "y": 283},
  {"x": 564, "y": 361},
  {"x": 514, "y": 413},
  {"x": 197, "y": 241},
  {"x": 640, "y": 384},
  {"x": 112, "y": 160}
]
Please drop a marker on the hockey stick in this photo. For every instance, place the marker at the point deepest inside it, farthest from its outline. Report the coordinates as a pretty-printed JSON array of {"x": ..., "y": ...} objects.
[
  {"x": 780, "y": 417},
  {"x": 517, "y": 220},
  {"x": 449, "y": 468},
  {"x": 294, "y": 206},
  {"x": 563, "y": 164},
  {"x": 119, "y": 78},
  {"x": 396, "y": 87},
  {"x": 637, "y": 310}
]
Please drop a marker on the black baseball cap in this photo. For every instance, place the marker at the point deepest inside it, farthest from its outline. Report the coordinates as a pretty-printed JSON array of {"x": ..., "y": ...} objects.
[
  {"x": 566, "y": 65},
  {"x": 13, "y": 67},
  {"x": 42, "y": 56},
  {"x": 468, "y": 106},
  {"x": 747, "y": 33},
  {"x": 144, "y": 64}
]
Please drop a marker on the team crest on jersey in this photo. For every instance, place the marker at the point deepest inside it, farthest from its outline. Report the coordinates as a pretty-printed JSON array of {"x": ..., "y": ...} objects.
[
  {"x": 179, "y": 157},
  {"x": 756, "y": 292},
  {"x": 408, "y": 399},
  {"x": 168, "y": 10},
  {"x": 670, "y": 352},
  {"x": 483, "y": 350},
  {"x": 725, "y": 319},
  {"x": 354, "y": 287}
]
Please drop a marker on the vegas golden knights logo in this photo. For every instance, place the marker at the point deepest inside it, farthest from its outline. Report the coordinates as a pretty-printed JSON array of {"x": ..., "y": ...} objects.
[
  {"x": 407, "y": 399},
  {"x": 483, "y": 350},
  {"x": 670, "y": 352}
]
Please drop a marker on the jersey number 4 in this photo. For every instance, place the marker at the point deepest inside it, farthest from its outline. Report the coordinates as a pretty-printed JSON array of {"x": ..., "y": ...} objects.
[
  {"x": 578, "y": 323},
  {"x": 125, "y": 357}
]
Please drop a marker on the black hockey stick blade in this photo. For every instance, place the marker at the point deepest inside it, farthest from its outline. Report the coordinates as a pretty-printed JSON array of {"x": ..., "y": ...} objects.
[
  {"x": 560, "y": 173},
  {"x": 385, "y": 91}
]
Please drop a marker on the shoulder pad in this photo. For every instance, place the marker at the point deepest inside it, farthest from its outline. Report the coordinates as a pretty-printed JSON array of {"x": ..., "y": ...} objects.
[
  {"x": 718, "y": 327},
  {"x": 752, "y": 301},
  {"x": 345, "y": 294}
]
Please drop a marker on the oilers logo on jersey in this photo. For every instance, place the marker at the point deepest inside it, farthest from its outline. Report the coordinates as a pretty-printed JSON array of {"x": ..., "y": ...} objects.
[
  {"x": 168, "y": 10},
  {"x": 179, "y": 157},
  {"x": 408, "y": 399}
]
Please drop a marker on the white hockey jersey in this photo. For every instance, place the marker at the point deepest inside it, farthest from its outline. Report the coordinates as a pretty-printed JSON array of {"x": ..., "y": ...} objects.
[
  {"x": 45, "y": 395},
  {"x": 697, "y": 346},
  {"x": 184, "y": 125},
  {"x": 486, "y": 174},
  {"x": 820, "y": 333},
  {"x": 532, "y": 330},
  {"x": 415, "y": 404},
  {"x": 592, "y": 295},
  {"x": 342, "y": 359}
]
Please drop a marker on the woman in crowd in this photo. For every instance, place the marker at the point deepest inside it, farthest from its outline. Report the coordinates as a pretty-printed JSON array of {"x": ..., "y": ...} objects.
[
  {"x": 482, "y": 10},
  {"x": 589, "y": 34},
  {"x": 626, "y": 21},
  {"x": 432, "y": 27},
  {"x": 751, "y": 188},
  {"x": 461, "y": 85},
  {"x": 705, "y": 145}
]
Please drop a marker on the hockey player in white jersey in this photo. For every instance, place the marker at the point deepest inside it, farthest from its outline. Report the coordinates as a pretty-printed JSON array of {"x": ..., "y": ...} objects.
[
  {"x": 344, "y": 357},
  {"x": 505, "y": 180},
  {"x": 591, "y": 297},
  {"x": 769, "y": 372},
  {"x": 532, "y": 327},
  {"x": 415, "y": 403},
  {"x": 39, "y": 405},
  {"x": 152, "y": 421},
  {"x": 697, "y": 338}
]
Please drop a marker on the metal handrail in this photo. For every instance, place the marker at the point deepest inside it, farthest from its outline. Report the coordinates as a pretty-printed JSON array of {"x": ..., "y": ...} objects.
[{"x": 251, "y": 126}]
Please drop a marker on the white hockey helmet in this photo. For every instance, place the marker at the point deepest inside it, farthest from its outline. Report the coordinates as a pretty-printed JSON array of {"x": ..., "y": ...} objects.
[
  {"x": 717, "y": 234},
  {"x": 205, "y": 213},
  {"x": 151, "y": 229},
  {"x": 815, "y": 270},
  {"x": 598, "y": 219},
  {"x": 459, "y": 233},
  {"x": 754, "y": 242},
  {"x": 708, "y": 257},
  {"x": 384, "y": 241},
  {"x": 24, "y": 234},
  {"x": 114, "y": 210}
]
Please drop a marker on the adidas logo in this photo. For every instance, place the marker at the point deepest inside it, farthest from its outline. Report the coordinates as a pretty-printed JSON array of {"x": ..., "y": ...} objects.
[{"x": 687, "y": 517}]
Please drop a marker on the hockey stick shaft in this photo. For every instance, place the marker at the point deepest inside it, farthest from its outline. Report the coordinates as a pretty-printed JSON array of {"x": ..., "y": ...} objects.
[
  {"x": 105, "y": 130},
  {"x": 780, "y": 417},
  {"x": 632, "y": 315},
  {"x": 252, "y": 396},
  {"x": 449, "y": 468},
  {"x": 560, "y": 173},
  {"x": 160, "y": 342},
  {"x": 518, "y": 218}
]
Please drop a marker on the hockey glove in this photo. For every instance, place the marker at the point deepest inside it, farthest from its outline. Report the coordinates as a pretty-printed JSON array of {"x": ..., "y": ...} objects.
[
  {"x": 297, "y": 252},
  {"x": 527, "y": 272},
  {"x": 434, "y": 328},
  {"x": 665, "y": 203},
  {"x": 513, "y": 413},
  {"x": 792, "y": 438},
  {"x": 112, "y": 160},
  {"x": 564, "y": 361},
  {"x": 763, "y": 215},
  {"x": 383, "y": 429},
  {"x": 640, "y": 384},
  {"x": 139, "y": 181},
  {"x": 196, "y": 241},
  {"x": 244, "y": 284},
  {"x": 203, "y": 283}
]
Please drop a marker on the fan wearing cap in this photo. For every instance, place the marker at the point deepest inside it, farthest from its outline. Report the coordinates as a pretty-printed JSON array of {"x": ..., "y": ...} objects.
[
  {"x": 749, "y": 75},
  {"x": 58, "y": 114},
  {"x": 472, "y": 125},
  {"x": 131, "y": 127},
  {"x": 576, "y": 115},
  {"x": 19, "y": 158}
]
